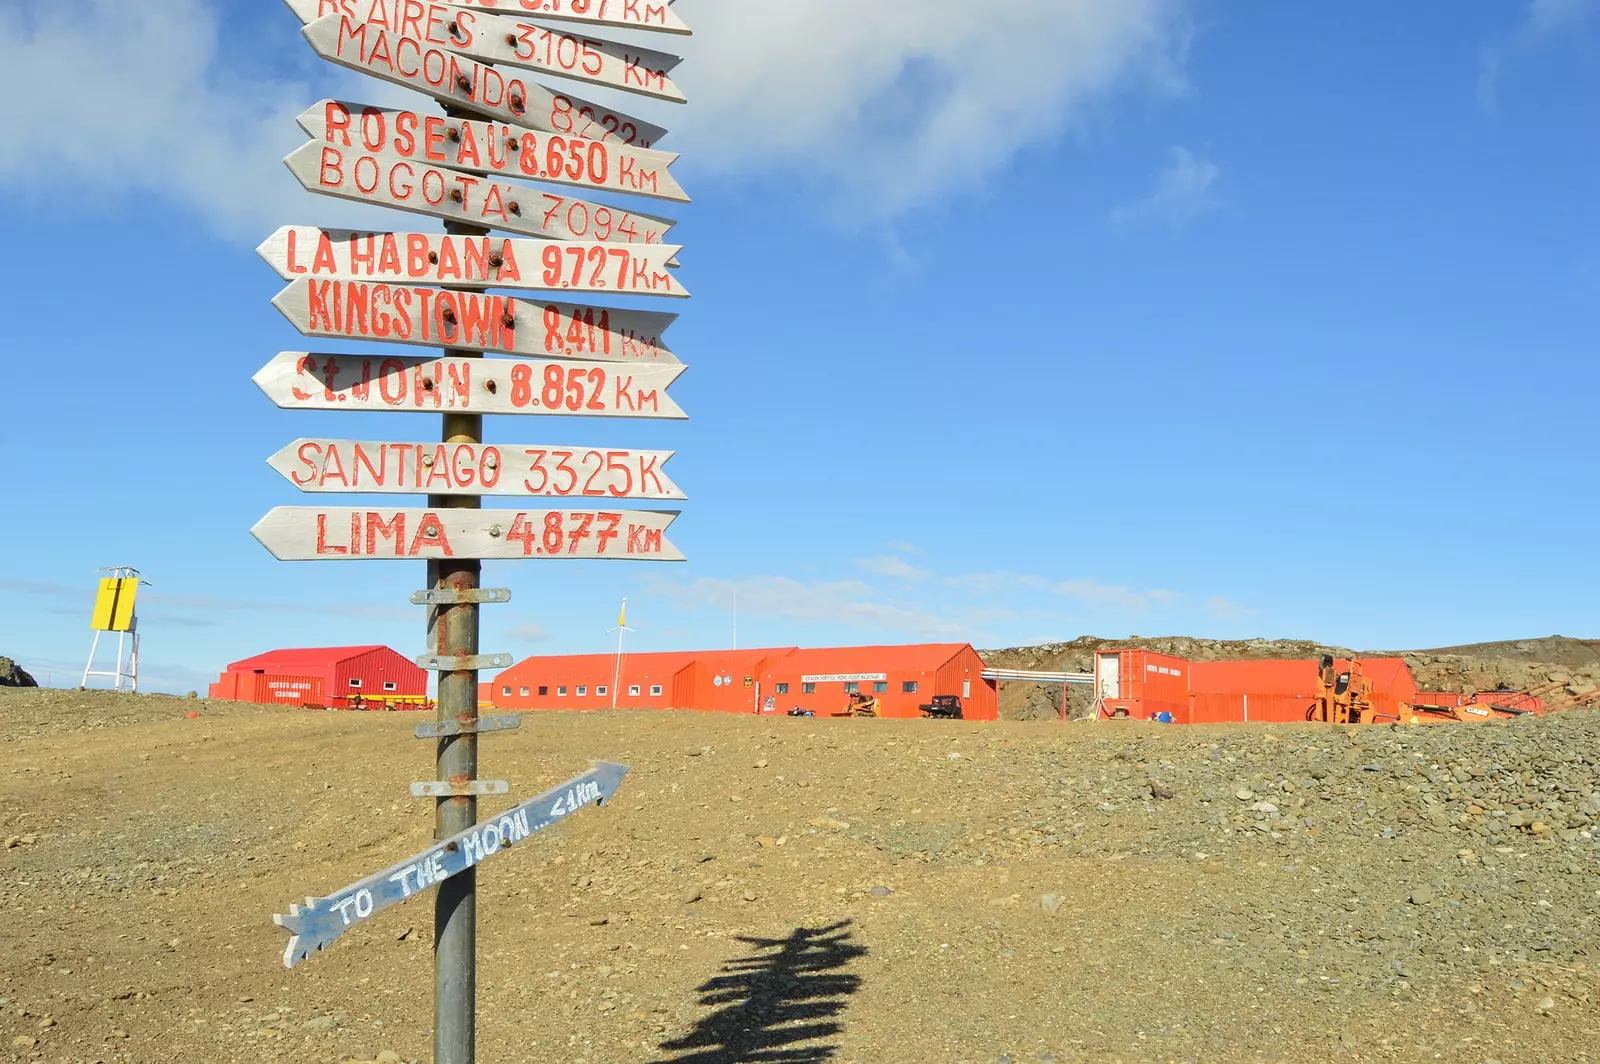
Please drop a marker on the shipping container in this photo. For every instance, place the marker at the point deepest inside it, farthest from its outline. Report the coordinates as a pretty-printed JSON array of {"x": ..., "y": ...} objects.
[{"x": 1143, "y": 685}]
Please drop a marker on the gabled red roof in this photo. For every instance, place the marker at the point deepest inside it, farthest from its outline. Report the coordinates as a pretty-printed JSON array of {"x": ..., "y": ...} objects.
[
  {"x": 866, "y": 659},
  {"x": 303, "y": 658}
]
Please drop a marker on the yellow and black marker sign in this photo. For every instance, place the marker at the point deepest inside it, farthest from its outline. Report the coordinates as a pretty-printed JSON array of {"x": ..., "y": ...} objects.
[{"x": 113, "y": 606}]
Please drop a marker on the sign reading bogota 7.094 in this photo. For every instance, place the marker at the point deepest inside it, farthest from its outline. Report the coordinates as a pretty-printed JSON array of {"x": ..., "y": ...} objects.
[{"x": 512, "y": 297}]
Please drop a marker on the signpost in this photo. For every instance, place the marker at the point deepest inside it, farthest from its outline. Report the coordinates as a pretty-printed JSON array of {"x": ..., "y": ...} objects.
[
  {"x": 468, "y": 167},
  {"x": 361, "y": 467},
  {"x": 495, "y": 148}
]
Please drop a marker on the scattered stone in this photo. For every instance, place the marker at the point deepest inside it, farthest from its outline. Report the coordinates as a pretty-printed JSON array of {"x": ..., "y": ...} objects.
[
  {"x": 1050, "y": 903},
  {"x": 691, "y": 896},
  {"x": 1422, "y": 895},
  {"x": 1160, "y": 790},
  {"x": 24, "y": 1041},
  {"x": 880, "y": 891},
  {"x": 1547, "y": 1006},
  {"x": 749, "y": 894},
  {"x": 319, "y": 1023}
]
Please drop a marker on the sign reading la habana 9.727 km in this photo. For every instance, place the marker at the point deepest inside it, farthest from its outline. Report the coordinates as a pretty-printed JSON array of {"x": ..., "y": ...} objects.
[{"x": 485, "y": 167}]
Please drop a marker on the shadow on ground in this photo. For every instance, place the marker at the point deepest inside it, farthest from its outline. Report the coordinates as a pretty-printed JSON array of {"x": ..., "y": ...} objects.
[{"x": 779, "y": 1005}]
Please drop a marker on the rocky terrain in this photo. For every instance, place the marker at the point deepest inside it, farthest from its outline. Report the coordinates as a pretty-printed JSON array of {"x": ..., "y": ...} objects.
[
  {"x": 12, "y": 675},
  {"x": 860, "y": 891},
  {"x": 1571, "y": 665}
]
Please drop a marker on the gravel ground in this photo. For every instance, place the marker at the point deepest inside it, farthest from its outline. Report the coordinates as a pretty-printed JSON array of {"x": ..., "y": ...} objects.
[{"x": 861, "y": 891}]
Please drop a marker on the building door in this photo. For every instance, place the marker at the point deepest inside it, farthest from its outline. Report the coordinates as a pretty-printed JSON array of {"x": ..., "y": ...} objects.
[{"x": 1110, "y": 675}]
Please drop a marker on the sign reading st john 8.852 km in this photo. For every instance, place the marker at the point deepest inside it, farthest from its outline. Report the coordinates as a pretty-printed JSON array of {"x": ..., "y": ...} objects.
[
  {"x": 342, "y": 533},
  {"x": 302, "y": 380}
]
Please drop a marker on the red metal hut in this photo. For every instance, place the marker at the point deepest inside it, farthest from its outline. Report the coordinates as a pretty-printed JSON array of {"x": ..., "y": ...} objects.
[{"x": 369, "y": 677}]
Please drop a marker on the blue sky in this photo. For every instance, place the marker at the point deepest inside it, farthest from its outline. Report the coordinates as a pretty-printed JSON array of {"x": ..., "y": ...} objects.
[{"x": 1010, "y": 325}]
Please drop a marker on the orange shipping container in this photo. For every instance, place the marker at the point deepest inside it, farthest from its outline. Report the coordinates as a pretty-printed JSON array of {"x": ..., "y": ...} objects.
[{"x": 1143, "y": 683}]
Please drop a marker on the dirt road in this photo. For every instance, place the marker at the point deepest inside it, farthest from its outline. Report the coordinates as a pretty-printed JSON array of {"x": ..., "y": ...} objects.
[{"x": 863, "y": 891}]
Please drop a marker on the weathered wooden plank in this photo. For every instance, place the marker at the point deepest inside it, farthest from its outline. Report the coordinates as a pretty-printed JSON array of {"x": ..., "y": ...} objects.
[
  {"x": 320, "y": 921},
  {"x": 302, "y": 380},
  {"x": 384, "y": 180},
  {"x": 430, "y": 65},
  {"x": 354, "y": 467},
  {"x": 434, "y": 317},
  {"x": 511, "y": 40},
  {"x": 305, "y": 251},
  {"x": 343, "y": 533},
  {"x": 495, "y": 148},
  {"x": 655, "y": 15}
]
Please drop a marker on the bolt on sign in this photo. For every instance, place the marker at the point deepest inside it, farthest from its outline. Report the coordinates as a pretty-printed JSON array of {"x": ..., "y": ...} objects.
[{"x": 512, "y": 295}]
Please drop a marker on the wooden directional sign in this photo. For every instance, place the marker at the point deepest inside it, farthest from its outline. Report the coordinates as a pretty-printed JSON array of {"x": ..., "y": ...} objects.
[
  {"x": 494, "y": 148},
  {"x": 424, "y": 58},
  {"x": 301, "y": 380},
  {"x": 339, "y": 533},
  {"x": 514, "y": 41},
  {"x": 314, "y": 926},
  {"x": 297, "y": 251},
  {"x": 633, "y": 14},
  {"x": 361, "y": 467},
  {"x": 385, "y": 180},
  {"x": 436, "y": 317}
]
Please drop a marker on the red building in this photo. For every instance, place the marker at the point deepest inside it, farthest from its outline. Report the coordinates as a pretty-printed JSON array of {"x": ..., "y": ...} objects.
[
  {"x": 770, "y": 680},
  {"x": 370, "y": 677}
]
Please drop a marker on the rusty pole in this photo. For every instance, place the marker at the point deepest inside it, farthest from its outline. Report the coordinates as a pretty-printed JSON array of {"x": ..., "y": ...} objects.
[{"x": 454, "y": 632}]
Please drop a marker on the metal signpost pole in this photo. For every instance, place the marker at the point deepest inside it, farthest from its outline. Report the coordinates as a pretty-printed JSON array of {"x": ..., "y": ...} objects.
[{"x": 455, "y": 631}]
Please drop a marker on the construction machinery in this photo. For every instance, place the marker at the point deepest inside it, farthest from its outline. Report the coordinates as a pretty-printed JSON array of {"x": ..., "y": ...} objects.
[
  {"x": 861, "y": 705},
  {"x": 1346, "y": 698}
]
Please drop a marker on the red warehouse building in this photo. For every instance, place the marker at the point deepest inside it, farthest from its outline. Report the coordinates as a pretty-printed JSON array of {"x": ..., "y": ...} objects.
[
  {"x": 369, "y": 677},
  {"x": 769, "y": 680},
  {"x": 903, "y": 679}
]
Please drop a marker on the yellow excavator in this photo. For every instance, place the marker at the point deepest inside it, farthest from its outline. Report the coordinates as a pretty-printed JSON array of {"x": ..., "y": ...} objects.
[{"x": 861, "y": 705}]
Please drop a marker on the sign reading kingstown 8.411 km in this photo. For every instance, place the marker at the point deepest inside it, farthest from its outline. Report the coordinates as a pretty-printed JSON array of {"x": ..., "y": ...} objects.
[{"x": 512, "y": 295}]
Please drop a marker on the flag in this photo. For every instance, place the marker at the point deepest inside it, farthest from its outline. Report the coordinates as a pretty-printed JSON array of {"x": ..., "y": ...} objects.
[{"x": 622, "y": 618}]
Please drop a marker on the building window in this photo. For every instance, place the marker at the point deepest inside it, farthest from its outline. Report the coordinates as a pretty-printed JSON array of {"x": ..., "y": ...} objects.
[
  {"x": 544, "y": 692},
  {"x": 851, "y": 687},
  {"x": 524, "y": 690},
  {"x": 781, "y": 688},
  {"x": 505, "y": 692},
  {"x": 808, "y": 688},
  {"x": 583, "y": 691},
  {"x": 966, "y": 688},
  {"x": 633, "y": 690},
  {"x": 655, "y": 690},
  {"x": 880, "y": 687},
  {"x": 355, "y": 684},
  {"x": 602, "y": 691},
  {"x": 390, "y": 685},
  {"x": 909, "y": 687},
  {"x": 561, "y": 692}
]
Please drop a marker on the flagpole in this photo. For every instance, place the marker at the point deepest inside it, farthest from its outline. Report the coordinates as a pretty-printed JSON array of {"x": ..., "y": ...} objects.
[{"x": 616, "y": 672}]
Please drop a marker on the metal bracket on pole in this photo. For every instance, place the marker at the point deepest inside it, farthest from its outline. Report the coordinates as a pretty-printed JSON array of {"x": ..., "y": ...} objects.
[
  {"x": 448, "y": 728},
  {"x": 439, "y": 789},
  {"x": 437, "y": 663},
  {"x": 474, "y": 596}
]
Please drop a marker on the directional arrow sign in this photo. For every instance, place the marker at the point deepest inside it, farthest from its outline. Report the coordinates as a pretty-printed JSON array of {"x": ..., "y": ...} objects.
[
  {"x": 634, "y": 14},
  {"x": 423, "y": 58},
  {"x": 515, "y": 41},
  {"x": 495, "y": 148},
  {"x": 337, "y": 533},
  {"x": 300, "y": 380},
  {"x": 385, "y": 180},
  {"x": 314, "y": 926},
  {"x": 297, "y": 251},
  {"x": 354, "y": 467},
  {"x": 435, "y": 317}
]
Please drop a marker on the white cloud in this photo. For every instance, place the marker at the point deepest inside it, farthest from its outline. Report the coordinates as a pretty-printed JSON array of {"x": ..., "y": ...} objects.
[
  {"x": 892, "y": 566},
  {"x": 1223, "y": 608},
  {"x": 1183, "y": 193},
  {"x": 157, "y": 112},
  {"x": 849, "y": 603},
  {"x": 899, "y": 102},
  {"x": 1091, "y": 592},
  {"x": 528, "y": 633},
  {"x": 903, "y": 548},
  {"x": 882, "y": 106},
  {"x": 1553, "y": 16}
]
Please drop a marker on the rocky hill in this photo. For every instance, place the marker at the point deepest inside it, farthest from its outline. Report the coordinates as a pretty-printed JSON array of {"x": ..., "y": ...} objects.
[{"x": 12, "y": 675}]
